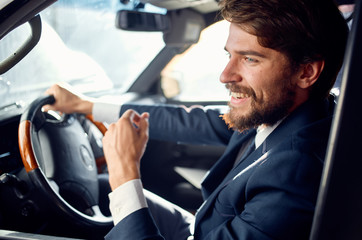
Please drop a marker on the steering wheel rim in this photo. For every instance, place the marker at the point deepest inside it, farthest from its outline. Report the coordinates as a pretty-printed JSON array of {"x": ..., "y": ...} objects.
[{"x": 31, "y": 122}]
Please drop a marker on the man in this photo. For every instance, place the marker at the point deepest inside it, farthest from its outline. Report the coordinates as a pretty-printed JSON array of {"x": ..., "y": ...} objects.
[{"x": 284, "y": 58}]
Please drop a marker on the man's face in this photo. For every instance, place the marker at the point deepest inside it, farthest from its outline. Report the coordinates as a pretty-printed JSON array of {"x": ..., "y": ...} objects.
[{"x": 260, "y": 81}]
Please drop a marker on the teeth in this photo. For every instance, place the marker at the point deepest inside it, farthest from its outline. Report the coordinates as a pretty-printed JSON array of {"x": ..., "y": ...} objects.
[{"x": 239, "y": 95}]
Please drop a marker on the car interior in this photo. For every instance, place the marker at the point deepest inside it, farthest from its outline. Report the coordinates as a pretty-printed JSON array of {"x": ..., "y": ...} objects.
[{"x": 143, "y": 52}]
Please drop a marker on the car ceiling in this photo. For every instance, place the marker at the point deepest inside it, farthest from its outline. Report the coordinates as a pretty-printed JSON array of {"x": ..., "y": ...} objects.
[
  {"x": 14, "y": 13},
  {"x": 203, "y": 6}
]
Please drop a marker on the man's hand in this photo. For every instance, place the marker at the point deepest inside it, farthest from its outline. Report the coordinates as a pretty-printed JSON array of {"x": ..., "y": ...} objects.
[
  {"x": 124, "y": 144},
  {"x": 68, "y": 101}
]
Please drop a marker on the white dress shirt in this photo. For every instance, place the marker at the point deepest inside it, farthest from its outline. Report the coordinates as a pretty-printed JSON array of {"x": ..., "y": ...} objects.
[{"x": 126, "y": 199}]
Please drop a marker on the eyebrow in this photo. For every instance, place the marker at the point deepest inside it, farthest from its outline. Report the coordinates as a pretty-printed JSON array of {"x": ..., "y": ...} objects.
[{"x": 248, "y": 52}]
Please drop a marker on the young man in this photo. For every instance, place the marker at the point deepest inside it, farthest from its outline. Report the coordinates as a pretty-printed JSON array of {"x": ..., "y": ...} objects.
[{"x": 284, "y": 58}]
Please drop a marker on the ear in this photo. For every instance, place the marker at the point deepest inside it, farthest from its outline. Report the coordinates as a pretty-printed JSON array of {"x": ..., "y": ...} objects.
[{"x": 309, "y": 73}]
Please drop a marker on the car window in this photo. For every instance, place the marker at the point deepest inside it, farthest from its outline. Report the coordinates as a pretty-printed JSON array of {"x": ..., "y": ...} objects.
[
  {"x": 194, "y": 75},
  {"x": 80, "y": 45}
]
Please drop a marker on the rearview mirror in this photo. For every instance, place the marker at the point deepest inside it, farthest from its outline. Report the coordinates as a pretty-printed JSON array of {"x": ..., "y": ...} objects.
[
  {"x": 25, "y": 48},
  {"x": 141, "y": 21}
]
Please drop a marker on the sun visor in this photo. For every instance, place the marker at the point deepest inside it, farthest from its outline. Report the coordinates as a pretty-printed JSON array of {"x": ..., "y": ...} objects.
[{"x": 186, "y": 26}]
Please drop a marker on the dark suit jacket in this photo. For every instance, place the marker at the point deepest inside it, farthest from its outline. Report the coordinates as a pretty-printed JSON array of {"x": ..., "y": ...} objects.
[{"x": 270, "y": 194}]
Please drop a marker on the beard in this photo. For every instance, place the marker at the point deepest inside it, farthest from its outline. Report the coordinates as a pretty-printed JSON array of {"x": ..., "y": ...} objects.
[{"x": 267, "y": 111}]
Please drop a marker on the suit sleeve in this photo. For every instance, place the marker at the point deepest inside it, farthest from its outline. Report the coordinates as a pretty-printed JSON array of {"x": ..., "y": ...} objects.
[
  {"x": 189, "y": 125},
  {"x": 138, "y": 225}
]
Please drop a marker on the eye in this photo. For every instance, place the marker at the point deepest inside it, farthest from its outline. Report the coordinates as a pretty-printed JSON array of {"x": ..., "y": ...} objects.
[
  {"x": 228, "y": 54},
  {"x": 250, "y": 60}
]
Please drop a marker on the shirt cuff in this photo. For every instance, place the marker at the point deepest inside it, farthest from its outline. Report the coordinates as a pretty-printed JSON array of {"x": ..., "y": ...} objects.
[
  {"x": 126, "y": 199},
  {"x": 106, "y": 112}
]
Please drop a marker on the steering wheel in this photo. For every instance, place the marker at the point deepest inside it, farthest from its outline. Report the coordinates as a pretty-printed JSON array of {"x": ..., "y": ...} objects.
[{"x": 59, "y": 160}]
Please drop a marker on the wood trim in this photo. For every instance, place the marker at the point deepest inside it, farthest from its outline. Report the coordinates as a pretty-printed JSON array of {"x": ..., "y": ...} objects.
[
  {"x": 25, "y": 146},
  {"x": 99, "y": 125},
  {"x": 101, "y": 161}
]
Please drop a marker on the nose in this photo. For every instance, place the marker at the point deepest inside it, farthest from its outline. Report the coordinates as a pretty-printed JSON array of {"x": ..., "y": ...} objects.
[{"x": 230, "y": 73}]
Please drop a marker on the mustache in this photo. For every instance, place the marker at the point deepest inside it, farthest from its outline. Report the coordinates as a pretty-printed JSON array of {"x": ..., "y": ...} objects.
[{"x": 234, "y": 88}]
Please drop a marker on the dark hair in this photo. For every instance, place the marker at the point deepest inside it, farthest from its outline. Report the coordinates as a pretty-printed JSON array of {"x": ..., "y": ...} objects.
[{"x": 304, "y": 30}]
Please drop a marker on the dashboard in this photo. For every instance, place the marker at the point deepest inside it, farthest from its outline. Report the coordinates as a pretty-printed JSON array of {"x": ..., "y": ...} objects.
[{"x": 10, "y": 160}]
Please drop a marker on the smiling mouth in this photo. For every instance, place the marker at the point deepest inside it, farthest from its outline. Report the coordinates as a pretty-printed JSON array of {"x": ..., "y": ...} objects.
[{"x": 239, "y": 95}]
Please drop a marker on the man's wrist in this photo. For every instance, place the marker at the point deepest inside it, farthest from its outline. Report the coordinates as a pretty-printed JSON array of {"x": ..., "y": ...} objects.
[
  {"x": 119, "y": 178},
  {"x": 85, "y": 106}
]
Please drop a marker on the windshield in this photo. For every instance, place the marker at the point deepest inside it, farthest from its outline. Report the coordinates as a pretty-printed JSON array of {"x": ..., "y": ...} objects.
[
  {"x": 192, "y": 76},
  {"x": 80, "y": 45}
]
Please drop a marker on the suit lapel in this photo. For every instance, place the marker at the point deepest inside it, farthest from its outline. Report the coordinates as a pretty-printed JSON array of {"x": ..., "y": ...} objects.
[
  {"x": 223, "y": 171},
  {"x": 231, "y": 172},
  {"x": 223, "y": 166}
]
